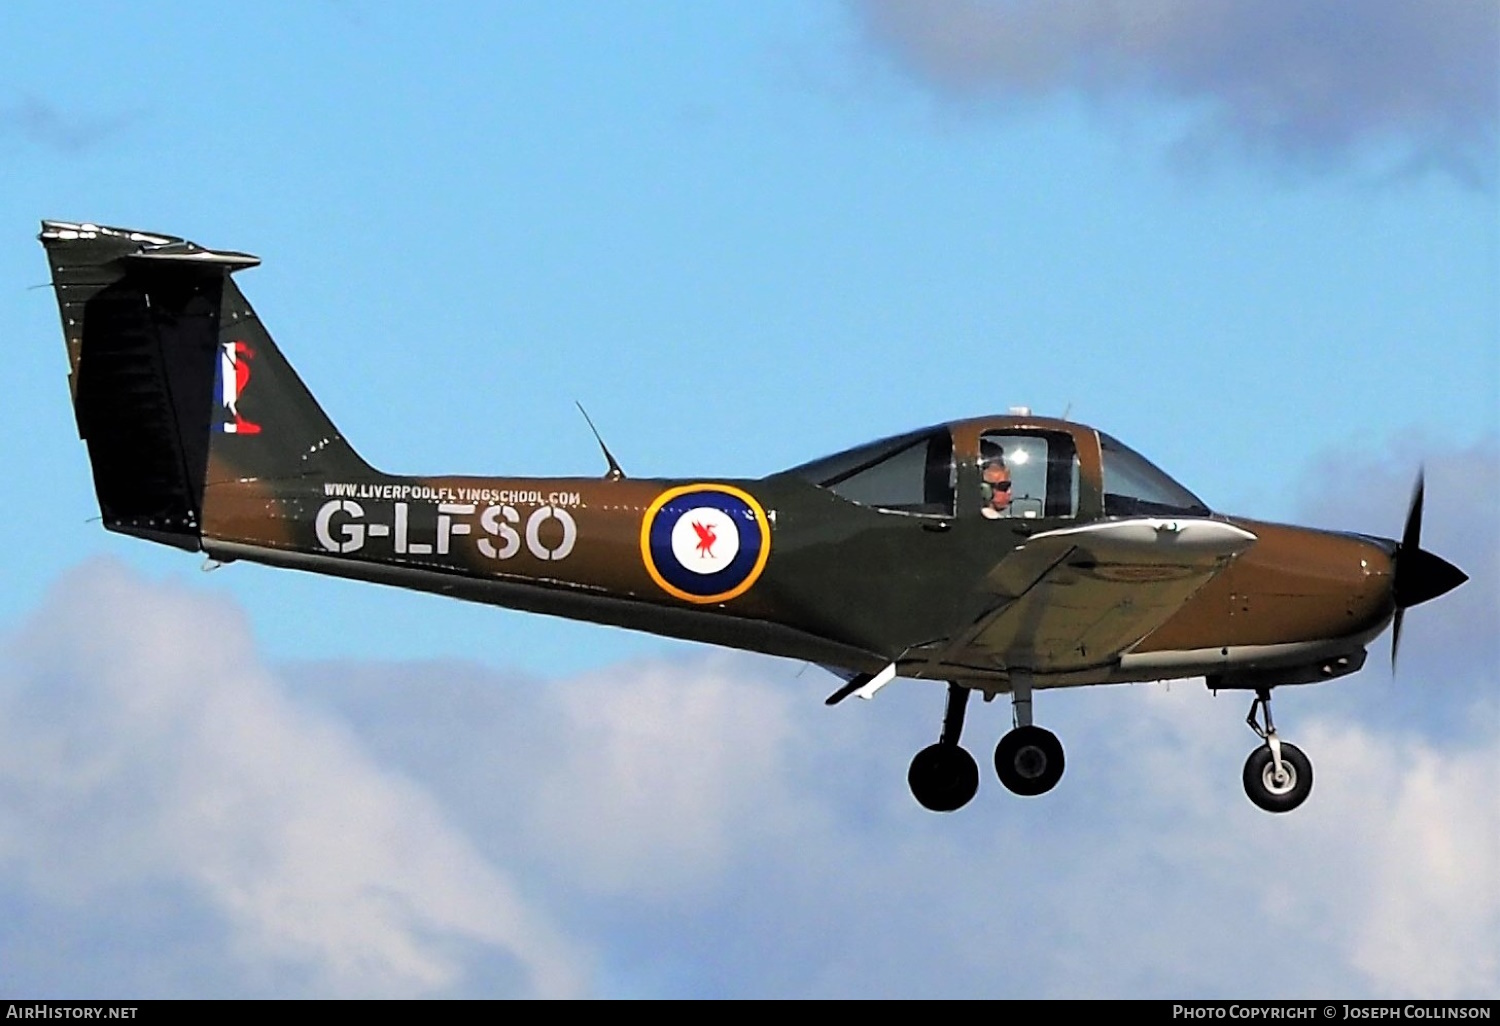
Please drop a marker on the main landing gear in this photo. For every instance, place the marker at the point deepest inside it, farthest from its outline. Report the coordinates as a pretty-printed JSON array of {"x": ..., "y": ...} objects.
[
  {"x": 1028, "y": 759},
  {"x": 1278, "y": 777},
  {"x": 943, "y": 777}
]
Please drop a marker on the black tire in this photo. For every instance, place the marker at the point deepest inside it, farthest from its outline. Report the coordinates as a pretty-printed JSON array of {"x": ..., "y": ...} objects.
[
  {"x": 1260, "y": 778},
  {"x": 1029, "y": 760},
  {"x": 943, "y": 777}
]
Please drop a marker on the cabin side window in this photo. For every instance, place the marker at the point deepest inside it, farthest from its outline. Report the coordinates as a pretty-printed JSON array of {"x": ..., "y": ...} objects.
[{"x": 906, "y": 474}]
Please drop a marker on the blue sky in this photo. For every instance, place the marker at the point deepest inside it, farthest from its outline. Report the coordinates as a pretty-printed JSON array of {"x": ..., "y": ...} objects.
[{"x": 743, "y": 236}]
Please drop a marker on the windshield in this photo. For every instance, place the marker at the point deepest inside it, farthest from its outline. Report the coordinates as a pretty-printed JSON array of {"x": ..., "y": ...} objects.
[
  {"x": 1133, "y": 486},
  {"x": 910, "y": 473}
]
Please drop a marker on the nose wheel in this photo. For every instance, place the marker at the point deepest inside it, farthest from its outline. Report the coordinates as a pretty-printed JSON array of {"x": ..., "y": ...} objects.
[{"x": 1278, "y": 777}]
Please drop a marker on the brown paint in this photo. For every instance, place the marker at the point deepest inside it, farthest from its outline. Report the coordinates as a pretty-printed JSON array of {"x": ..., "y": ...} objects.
[{"x": 1295, "y": 584}]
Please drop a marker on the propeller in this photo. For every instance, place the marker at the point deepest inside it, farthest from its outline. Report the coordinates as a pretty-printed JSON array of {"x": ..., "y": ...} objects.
[{"x": 1419, "y": 575}]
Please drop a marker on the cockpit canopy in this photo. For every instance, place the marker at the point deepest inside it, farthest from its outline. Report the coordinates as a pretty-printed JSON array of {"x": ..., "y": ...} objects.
[{"x": 1017, "y": 468}]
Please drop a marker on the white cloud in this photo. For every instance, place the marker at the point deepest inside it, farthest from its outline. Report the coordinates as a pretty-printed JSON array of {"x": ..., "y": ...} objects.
[
  {"x": 655, "y": 768},
  {"x": 1426, "y": 824},
  {"x": 141, "y": 741},
  {"x": 749, "y": 841},
  {"x": 1386, "y": 883},
  {"x": 1318, "y": 81}
]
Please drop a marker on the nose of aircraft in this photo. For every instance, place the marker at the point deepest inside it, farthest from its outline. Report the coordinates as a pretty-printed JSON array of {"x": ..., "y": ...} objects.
[{"x": 1421, "y": 576}]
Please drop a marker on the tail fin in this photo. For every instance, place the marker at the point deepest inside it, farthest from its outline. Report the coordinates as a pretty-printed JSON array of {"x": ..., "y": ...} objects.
[{"x": 175, "y": 381}]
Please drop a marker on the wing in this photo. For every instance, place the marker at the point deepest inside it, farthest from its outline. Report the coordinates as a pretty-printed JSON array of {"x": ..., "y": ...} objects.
[{"x": 1076, "y": 598}]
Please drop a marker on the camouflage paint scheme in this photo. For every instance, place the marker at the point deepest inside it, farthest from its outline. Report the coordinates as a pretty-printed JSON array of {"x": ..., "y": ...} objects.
[{"x": 201, "y": 436}]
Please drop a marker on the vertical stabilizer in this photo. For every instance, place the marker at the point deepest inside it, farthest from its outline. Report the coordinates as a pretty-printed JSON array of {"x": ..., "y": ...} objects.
[{"x": 175, "y": 381}]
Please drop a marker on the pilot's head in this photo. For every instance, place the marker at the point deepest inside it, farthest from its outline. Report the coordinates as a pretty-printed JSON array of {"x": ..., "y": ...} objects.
[{"x": 994, "y": 478}]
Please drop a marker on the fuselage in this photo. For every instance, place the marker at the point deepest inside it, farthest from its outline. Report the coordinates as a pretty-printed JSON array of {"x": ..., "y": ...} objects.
[{"x": 839, "y": 582}]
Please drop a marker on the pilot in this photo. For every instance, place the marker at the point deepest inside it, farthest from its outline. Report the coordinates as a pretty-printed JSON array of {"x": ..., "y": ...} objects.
[{"x": 994, "y": 486}]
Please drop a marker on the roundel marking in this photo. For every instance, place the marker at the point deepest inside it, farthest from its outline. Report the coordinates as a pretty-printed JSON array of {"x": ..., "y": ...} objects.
[
  {"x": 705, "y": 540},
  {"x": 705, "y": 543}
]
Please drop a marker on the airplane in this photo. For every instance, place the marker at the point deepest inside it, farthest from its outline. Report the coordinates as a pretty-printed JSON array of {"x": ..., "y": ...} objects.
[{"x": 1005, "y": 555}]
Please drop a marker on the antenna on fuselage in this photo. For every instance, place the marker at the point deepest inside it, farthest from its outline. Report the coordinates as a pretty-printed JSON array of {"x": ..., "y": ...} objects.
[{"x": 614, "y": 473}]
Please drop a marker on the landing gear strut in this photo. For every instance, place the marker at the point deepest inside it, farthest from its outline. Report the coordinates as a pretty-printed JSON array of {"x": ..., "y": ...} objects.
[
  {"x": 944, "y": 777},
  {"x": 1028, "y": 759},
  {"x": 1278, "y": 777}
]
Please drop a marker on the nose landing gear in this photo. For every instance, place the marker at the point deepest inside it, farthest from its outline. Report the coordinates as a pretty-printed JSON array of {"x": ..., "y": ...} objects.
[{"x": 1278, "y": 777}]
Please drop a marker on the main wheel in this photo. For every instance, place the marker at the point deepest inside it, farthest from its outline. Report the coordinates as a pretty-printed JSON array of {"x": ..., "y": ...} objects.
[
  {"x": 943, "y": 777},
  {"x": 1029, "y": 760},
  {"x": 1274, "y": 795}
]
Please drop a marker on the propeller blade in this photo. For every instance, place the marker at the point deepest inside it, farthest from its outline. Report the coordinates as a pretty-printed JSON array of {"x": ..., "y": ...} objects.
[
  {"x": 1411, "y": 541},
  {"x": 1419, "y": 575},
  {"x": 1411, "y": 537},
  {"x": 1396, "y": 639}
]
